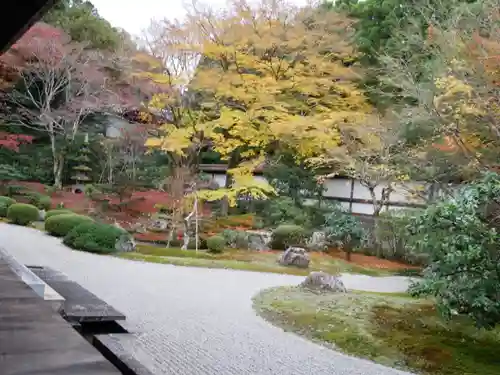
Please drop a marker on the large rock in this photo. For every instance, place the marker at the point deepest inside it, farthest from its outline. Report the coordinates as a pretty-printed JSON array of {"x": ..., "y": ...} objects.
[
  {"x": 41, "y": 215},
  {"x": 324, "y": 282},
  {"x": 159, "y": 224},
  {"x": 317, "y": 242},
  {"x": 125, "y": 243},
  {"x": 138, "y": 228},
  {"x": 259, "y": 240},
  {"x": 294, "y": 256}
]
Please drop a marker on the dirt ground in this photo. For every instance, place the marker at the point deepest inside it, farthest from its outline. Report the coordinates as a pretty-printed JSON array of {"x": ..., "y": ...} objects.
[{"x": 370, "y": 261}]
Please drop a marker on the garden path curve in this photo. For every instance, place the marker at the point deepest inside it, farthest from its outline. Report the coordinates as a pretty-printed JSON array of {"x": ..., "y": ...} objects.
[{"x": 197, "y": 320}]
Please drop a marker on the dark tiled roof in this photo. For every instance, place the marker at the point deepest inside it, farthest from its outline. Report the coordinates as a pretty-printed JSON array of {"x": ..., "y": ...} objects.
[{"x": 21, "y": 16}]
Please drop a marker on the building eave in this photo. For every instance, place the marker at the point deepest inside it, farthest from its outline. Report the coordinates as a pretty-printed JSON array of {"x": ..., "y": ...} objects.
[{"x": 22, "y": 15}]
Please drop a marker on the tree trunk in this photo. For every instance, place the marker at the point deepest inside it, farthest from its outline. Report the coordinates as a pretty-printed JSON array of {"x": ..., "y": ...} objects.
[
  {"x": 384, "y": 200},
  {"x": 348, "y": 253},
  {"x": 55, "y": 161},
  {"x": 376, "y": 206},
  {"x": 170, "y": 237},
  {"x": 224, "y": 210},
  {"x": 233, "y": 162},
  {"x": 58, "y": 171},
  {"x": 185, "y": 237},
  {"x": 110, "y": 162}
]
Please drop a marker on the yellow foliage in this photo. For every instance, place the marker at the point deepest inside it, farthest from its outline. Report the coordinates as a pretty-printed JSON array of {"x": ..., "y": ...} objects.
[
  {"x": 460, "y": 109},
  {"x": 268, "y": 75}
]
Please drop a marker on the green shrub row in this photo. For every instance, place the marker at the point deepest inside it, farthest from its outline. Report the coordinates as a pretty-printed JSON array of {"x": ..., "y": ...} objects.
[
  {"x": 288, "y": 235},
  {"x": 216, "y": 244},
  {"x": 5, "y": 203},
  {"x": 59, "y": 211},
  {"x": 202, "y": 243},
  {"x": 61, "y": 225},
  {"x": 82, "y": 232},
  {"x": 22, "y": 214},
  {"x": 42, "y": 201},
  {"x": 94, "y": 237}
]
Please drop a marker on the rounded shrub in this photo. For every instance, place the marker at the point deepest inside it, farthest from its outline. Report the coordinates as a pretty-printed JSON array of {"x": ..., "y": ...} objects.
[
  {"x": 22, "y": 214},
  {"x": 3, "y": 209},
  {"x": 58, "y": 212},
  {"x": 43, "y": 202},
  {"x": 202, "y": 243},
  {"x": 5, "y": 203},
  {"x": 94, "y": 237},
  {"x": 7, "y": 200},
  {"x": 60, "y": 225},
  {"x": 288, "y": 235},
  {"x": 216, "y": 244}
]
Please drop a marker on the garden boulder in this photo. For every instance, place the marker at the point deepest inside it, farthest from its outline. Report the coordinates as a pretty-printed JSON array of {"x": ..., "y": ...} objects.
[
  {"x": 317, "y": 242},
  {"x": 125, "y": 243},
  {"x": 323, "y": 282},
  {"x": 159, "y": 224},
  {"x": 41, "y": 215},
  {"x": 259, "y": 240},
  {"x": 295, "y": 256},
  {"x": 138, "y": 228}
]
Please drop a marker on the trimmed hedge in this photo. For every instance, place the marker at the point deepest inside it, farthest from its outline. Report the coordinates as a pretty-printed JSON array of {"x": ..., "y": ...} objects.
[
  {"x": 62, "y": 211},
  {"x": 216, "y": 244},
  {"x": 94, "y": 237},
  {"x": 22, "y": 214},
  {"x": 43, "y": 202},
  {"x": 202, "y": 243},
  {"x": 61, "y": 225},
  {"x": 5, "y": 203},
  {"x": 288, "y": 235}
]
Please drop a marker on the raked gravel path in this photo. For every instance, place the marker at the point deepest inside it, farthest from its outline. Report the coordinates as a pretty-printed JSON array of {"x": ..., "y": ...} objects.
[{"x": 196, "y": 320}]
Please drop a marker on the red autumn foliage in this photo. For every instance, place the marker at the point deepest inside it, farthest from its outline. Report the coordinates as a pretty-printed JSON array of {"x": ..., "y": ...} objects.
[
  {"x": 446, "y": 145},
  {"x": 484, "y": 53},
  {"x": 13, "y": 141},
  {"x": 144, "y": 201},
  {"x": 40, "y": 37},
  {"x": 45, "y": 49},
  {"x": 150, "y": 237}
]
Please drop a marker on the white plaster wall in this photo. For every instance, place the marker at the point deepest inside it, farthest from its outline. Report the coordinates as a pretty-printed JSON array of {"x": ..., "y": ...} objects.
[
  {"x": 405, "y": 192},
  {"x": 341, "y": 188},
  {"x": 221, "y": 178},
  {"x": 115, "y": 126},
  {"x": 338, "y": 187}
]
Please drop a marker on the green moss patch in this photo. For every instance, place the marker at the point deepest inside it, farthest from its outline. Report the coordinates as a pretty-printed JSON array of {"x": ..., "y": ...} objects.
[
  {"x": 244, "y": 260},
  {"x": 394, "y": 330}
]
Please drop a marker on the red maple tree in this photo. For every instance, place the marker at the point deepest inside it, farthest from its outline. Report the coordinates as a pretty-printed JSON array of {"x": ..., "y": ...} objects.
[
  {"x": 63, "y": 82},
  {"x": 13, "y": 141}
]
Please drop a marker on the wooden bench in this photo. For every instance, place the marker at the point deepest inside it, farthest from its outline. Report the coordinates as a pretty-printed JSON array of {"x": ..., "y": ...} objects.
[
  {"x": 34, "y": 339},
  {"x": 79, "y": 306},
  {"x": 32, "y": 280}
]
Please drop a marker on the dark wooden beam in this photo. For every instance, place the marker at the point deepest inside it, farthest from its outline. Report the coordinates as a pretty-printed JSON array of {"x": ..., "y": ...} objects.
[
  {"x": 34, "y": 339},
  {"x": 19, "y": 16}
]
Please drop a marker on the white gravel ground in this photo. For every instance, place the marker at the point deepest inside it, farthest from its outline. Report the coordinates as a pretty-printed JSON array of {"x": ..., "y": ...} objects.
[{"x": 195, "y": 320}]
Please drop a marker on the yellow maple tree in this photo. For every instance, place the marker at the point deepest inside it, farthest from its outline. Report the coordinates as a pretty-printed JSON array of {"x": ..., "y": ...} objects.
[{"x": 269, "y": 74}]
